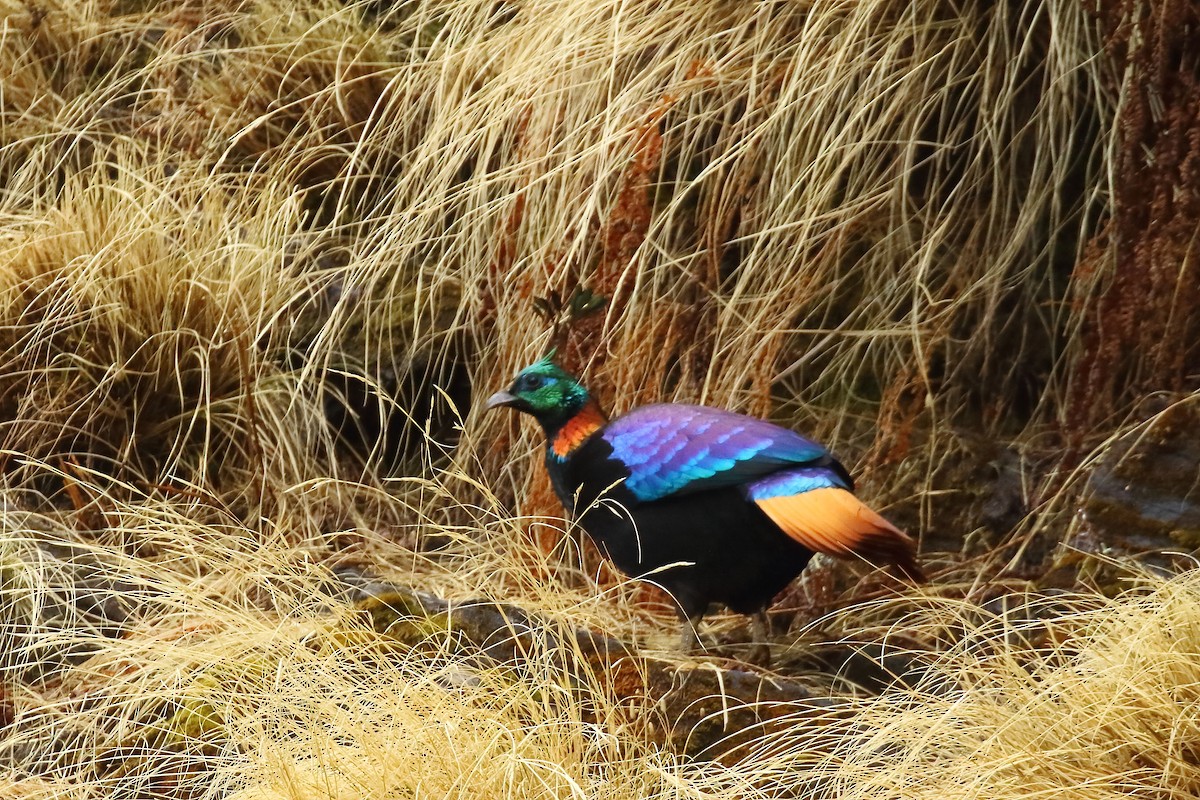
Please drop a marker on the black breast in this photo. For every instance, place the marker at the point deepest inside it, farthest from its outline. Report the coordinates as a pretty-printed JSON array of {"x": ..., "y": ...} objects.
[{"x": 706, "y": 547}]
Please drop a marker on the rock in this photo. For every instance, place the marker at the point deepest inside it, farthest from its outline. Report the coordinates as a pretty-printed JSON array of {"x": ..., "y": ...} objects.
[
  {"x": 61, "y": 597},
  {"x": 1144, "y": 494},
  {"x": 701, "y": 709}
]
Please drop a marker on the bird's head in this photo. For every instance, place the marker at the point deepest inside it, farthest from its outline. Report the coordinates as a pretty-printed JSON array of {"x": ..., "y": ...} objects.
[{"x": 544, "y": 390}]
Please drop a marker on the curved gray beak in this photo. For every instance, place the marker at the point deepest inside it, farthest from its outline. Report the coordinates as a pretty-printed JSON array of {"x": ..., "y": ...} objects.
[{"x": 499, "y": 399}]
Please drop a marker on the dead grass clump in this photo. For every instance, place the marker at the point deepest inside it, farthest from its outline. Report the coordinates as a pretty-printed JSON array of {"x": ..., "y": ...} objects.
[
  {"x": 82, "y": 76},
  {"x": 136, "y": 338},
  {"x": 300, "y": 89},
  {"x": 871, "y": 220},
  {"x": 1087, "y": 698},
  {"x": 250, "y": 673},
  {"x": 261, "y": 680}
]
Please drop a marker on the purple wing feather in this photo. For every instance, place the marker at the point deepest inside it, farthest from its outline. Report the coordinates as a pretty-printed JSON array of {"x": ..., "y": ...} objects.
[{"x": 676, "y": 449}]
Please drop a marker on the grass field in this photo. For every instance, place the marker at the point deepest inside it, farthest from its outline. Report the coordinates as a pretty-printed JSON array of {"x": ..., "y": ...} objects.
[{"x": 262, "y": 260}]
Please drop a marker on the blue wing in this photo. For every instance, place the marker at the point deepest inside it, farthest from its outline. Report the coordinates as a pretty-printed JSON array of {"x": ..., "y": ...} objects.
[{"x": 676, "y": 449}]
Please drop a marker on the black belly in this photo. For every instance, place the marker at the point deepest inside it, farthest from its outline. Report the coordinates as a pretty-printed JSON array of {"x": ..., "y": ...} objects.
[{"x": 708, "y": 547}]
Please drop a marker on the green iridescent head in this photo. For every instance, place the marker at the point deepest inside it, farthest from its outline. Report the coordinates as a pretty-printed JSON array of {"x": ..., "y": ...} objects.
[{"x": 544, "y": 390}]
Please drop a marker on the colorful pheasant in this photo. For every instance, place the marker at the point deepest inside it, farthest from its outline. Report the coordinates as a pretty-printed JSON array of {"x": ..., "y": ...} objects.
[{"x": 713, "y": 506}]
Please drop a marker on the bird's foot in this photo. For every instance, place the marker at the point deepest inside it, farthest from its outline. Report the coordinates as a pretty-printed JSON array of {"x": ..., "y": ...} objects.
[{"x": 760, "y": 639}]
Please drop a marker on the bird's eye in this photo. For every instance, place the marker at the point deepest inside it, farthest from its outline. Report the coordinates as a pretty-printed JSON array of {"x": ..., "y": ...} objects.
[{"x": 531, "y": 382}]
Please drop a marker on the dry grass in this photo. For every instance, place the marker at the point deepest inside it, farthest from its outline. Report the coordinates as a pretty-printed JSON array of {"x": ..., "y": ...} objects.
[
  {"x": 252, "y": 254},
  {"x": 1076, "y": 697}
]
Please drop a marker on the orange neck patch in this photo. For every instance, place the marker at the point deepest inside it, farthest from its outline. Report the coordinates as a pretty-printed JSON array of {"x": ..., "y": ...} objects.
[{"x": 577, "y": 429}]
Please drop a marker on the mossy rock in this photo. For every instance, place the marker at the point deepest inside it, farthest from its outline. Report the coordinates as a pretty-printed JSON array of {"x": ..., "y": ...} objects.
[{"x": 399, "y": 615}]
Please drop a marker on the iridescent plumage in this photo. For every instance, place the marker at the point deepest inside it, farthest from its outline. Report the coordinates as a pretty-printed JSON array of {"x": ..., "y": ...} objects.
[
  {"x": 715, "y": 507},
  {"x": 673, "y": 448}
]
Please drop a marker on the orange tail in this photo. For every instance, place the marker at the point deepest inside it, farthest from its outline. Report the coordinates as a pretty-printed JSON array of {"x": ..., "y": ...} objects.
[{"x": 835, "y": 522}]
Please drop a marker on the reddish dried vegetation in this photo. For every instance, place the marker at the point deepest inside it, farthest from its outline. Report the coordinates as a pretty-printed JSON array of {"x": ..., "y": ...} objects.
[
  {"x": 1142, "y": 334},
  {"x": 622, "y": 234}
]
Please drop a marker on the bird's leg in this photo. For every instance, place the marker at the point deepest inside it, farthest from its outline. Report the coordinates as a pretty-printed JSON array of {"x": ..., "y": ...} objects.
[
  {"x": 760, "y": 639},
  {"x": 689, "y": 633}
]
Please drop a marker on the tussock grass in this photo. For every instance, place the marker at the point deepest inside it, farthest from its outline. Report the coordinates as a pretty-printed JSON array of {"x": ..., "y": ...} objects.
[
  {"x": 138, "y": 338},
  {"x": 1078, "y": 696},
  {"x": 260, "y": 680},
  {"x": 246, "y": 669},
  {"x": 871, "y": 211},
  {"x": 256, "y": 259}
]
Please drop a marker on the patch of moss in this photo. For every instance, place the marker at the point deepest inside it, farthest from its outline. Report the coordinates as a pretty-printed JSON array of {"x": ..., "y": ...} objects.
[
  {"x": 1186, "y": 537},
  {"x": 400, "y": 616}
]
